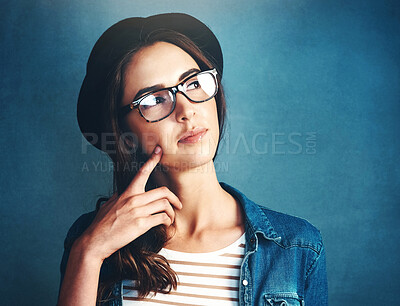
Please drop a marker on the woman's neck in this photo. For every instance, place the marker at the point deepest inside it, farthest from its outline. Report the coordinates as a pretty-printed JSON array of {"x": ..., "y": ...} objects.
[{"x": 206, "y": 205}]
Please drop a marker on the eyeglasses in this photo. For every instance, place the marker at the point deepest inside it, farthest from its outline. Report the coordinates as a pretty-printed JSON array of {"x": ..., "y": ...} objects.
[{"x": 158, "y": 105}]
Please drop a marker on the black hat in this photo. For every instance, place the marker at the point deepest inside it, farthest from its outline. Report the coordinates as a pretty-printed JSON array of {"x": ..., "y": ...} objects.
[{"x": 114, "y": 43}]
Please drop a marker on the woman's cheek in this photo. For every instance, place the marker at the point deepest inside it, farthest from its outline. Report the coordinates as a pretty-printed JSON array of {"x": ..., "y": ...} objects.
[
  {"x": 148, "y": 141},
  {"x": 151, "y": 139}
]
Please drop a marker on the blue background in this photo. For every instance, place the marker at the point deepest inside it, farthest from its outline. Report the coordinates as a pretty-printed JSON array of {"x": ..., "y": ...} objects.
[{"x": 313, "y": 99}]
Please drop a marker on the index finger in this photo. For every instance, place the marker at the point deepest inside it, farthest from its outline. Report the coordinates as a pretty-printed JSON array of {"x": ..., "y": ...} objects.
[{"x": 138, "y": 184}]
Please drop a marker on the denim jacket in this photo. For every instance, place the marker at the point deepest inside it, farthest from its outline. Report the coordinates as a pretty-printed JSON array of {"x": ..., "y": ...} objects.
[{"x": 284, "y": 261}]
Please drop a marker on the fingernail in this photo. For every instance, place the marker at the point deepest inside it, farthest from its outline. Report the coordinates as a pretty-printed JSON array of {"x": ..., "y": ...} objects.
[{"x": 157, "y": 150}]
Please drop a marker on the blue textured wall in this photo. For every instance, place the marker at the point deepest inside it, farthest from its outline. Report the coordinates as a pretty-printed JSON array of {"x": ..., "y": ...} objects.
[{"x": 313, "y": 95}]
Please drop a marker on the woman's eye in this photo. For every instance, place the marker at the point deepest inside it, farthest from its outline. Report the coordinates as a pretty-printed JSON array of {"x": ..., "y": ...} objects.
[
  {"x": 159, "y": 100},
  {"x": 151, "y": 102},
  {"x": 193, "y": 85}
]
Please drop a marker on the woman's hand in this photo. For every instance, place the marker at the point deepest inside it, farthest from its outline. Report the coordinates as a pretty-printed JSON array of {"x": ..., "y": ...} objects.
[{"x": 122, "y": 219}]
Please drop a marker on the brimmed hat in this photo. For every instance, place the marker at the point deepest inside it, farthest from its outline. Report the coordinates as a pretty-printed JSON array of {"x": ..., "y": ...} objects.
[{"x": 113, "y": 45}]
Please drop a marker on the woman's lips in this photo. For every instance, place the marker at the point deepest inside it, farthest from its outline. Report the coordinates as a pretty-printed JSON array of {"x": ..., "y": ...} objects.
[{"x": 193, "y": 136}]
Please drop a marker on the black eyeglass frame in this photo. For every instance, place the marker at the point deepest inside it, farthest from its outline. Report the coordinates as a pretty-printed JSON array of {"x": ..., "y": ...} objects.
[{"x": 123, "y": 111}]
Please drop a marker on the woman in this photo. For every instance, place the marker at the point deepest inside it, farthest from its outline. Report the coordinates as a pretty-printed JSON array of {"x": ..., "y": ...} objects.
[{"x": 172, "y": 234}]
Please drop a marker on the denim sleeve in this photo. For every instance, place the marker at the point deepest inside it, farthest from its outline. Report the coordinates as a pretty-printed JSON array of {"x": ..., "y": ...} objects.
[{"x": 316, "y": 289}]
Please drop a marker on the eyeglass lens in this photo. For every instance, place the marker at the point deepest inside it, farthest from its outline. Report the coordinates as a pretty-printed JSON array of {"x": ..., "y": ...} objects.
[{"x": 198, "y": 88}]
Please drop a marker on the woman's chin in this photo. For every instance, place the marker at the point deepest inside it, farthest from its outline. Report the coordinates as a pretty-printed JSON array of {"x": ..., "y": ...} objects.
[{"x": 185, "y": 162}]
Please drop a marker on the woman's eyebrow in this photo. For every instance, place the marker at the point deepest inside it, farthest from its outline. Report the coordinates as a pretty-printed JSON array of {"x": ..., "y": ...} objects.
[
  {"x": 147, "y": 89},
  {"x": 187, "y": 73},
  {"x": 161, "y": 86}
]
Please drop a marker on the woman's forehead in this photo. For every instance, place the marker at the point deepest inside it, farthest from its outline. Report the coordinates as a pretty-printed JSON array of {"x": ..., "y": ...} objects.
[{"x": 160, "y": 63}]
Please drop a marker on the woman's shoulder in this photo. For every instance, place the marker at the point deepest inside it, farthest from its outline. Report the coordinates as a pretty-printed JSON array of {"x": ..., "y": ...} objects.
[
  {"x": 78, "y": 227},
  {"x": 293, "y": 230}
]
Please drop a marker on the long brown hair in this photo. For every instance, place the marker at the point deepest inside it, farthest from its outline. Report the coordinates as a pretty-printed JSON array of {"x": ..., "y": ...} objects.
[{"x": 139, "y": 259}]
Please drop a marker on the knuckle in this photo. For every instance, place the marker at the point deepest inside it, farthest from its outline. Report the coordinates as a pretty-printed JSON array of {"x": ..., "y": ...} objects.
[
  {"x": 134, "y": 213},
  {"x": 133, "y": 201},
  {"x": 119, "y": 212},
  {"x": 140, "y": 222},
  {"x": 164, "y": 189},
  {"x": 165, "y": 217},
  {"x": 165, "y": 203}
]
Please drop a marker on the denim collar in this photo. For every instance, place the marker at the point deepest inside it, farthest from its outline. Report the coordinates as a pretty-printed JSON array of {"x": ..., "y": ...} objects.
[{"x": 256, "y": 219}]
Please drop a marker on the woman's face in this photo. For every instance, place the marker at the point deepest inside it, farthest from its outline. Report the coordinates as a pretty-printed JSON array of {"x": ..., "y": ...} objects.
[{"x": 164, "y": 64}]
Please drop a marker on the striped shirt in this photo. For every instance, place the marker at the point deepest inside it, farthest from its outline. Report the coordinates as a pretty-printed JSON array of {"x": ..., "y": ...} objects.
[{"x": 203, "y": 278}]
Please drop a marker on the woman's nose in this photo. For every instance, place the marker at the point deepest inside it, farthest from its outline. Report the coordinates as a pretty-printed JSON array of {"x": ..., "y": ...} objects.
[{"x": 184, "y": 108}]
